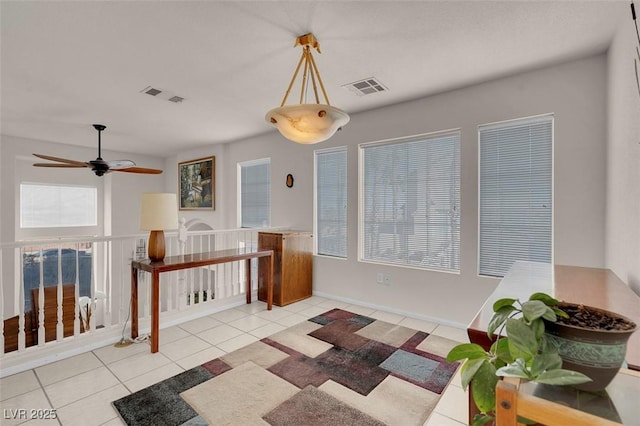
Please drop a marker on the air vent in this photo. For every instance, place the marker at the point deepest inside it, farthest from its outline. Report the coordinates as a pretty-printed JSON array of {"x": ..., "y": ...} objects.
[
  {"x": 368, "y": 86},
  {"x": 162, "y": 94},
  {"x": 151, "y": 91}
]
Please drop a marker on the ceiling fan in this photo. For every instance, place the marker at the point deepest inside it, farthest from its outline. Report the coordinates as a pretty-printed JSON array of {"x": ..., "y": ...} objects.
[{"x": 99, "y": 166}]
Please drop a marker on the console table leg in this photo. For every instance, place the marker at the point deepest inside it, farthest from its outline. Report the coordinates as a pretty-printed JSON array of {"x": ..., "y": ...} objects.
[
  {"x": 134, "y": 303},
  {"x": 270, "y": 286},
  {"x": 155, "y": 311},
  {"x": 248, "y": 279}
]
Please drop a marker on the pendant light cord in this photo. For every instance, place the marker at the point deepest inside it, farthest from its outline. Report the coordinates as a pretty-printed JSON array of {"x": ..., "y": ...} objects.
[
  {"x": 635, "y": 62},
  {"x": 633, "y": 15}
]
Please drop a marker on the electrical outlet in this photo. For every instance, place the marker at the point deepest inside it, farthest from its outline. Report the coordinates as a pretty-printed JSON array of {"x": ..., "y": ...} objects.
[
  {"x": 383, "y": 279},
  {"x": 386, "y": 280}
]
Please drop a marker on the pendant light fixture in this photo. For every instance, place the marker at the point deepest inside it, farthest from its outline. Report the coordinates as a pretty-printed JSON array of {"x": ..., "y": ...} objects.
[{"x": 307, "y": 123}]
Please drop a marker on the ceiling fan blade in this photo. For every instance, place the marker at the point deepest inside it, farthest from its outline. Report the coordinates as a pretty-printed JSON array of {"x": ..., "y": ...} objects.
[
  {"x": 61, "y": 160},
  {"x": 139, "y": 170},
  {"x": 64, "y": 165},
  {"x": 120, "y": 164},
  {"x": 99, "y": 166}
]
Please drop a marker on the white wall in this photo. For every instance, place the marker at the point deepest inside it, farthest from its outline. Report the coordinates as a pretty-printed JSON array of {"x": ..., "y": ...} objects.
[
  {"x": 623, "y": 160},
  {"x": 575, "y": 92}
]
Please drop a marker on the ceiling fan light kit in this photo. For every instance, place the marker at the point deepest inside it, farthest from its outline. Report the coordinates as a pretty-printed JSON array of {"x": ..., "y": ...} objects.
[
  {"x": 307, "y": 123},
  {"x": 98, "y": 166}
]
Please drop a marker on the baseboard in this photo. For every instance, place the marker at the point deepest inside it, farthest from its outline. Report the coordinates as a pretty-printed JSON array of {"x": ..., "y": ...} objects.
[{"x": 429, "y": 318}]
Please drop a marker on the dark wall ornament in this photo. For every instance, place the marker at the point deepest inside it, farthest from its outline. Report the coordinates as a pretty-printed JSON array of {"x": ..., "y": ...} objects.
[{"x": 289, "y": 181}]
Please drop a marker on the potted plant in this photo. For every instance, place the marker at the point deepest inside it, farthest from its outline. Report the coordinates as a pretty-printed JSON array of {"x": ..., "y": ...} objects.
[
  {"x": 592, "y": 341},
  {"x": 525, "y": 352}
]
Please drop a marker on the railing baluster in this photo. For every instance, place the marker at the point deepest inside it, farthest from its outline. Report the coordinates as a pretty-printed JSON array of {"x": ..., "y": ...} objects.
[
  {"x": 21, "y": 321},
  {"x": 41, "y": 335},
  {"x": 147, "y": 292},
  {"x": 1, "y": 305},
  {"x": 191, "y": 278},
  {"x": 169, "y": 278},
  {"x": 182, "y": 286},
  {"x": 92, "y": 289},
  {"x": 174, "y": 292},
  {"x": 124, "y": 307},
  {"x": 209, "y": 270},
  {"x": 216, "y": 274},
  {"x": 200, "y": 275},
  {"x": 180, "y": 304},
  {"x": 228, "y": 280},
  {"x": 106, "y": 306},
  {"x": 59, "y": 325},
  {"x": 76, "y": 292}
]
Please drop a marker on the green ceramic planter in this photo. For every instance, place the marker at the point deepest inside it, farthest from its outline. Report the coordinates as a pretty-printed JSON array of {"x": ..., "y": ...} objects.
[{"x": 599, "y": 354}]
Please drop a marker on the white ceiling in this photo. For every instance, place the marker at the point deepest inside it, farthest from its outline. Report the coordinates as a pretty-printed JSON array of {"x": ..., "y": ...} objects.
[{"x": 67, "y": 65}]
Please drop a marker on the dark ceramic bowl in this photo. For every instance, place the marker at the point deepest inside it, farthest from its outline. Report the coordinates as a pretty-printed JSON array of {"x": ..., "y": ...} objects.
[{"x": 598, "y": 354}]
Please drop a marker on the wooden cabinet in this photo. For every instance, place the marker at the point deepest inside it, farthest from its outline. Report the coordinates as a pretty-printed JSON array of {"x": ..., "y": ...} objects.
[{"x": 293, "y": 263}]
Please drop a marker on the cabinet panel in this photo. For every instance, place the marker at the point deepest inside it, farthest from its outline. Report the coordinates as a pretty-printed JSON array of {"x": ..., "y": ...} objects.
[{"x": 293, "y": 263}]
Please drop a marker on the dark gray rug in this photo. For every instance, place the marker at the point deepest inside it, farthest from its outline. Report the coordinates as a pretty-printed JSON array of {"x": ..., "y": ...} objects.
[{"x": 161, "y": 404}]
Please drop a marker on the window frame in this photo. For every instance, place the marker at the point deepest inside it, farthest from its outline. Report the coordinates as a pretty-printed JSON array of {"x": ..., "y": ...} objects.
[
  {"x": 316, "y": 153},
  {"x": 361, "y": 197},
  {"x": 500, "y": 124}
]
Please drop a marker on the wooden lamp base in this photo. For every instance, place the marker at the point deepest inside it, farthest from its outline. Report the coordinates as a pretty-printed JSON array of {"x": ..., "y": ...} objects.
[{"x": 156, "y": 246}]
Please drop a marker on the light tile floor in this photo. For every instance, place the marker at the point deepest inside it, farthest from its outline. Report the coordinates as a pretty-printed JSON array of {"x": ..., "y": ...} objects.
[{"x": 79, "y": 390}]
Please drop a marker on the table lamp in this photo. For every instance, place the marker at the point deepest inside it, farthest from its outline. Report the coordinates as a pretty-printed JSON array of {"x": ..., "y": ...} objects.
[{"x": 159, "y": 211}]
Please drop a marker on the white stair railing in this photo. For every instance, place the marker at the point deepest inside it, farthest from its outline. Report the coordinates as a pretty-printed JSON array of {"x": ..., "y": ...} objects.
[{"x": 102, "y": 266}]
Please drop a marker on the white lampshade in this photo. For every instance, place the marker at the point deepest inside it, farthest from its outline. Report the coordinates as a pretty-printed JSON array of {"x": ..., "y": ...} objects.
[
  {"x": 307, "y": 123},
  {"x": 159, "y": 211}
]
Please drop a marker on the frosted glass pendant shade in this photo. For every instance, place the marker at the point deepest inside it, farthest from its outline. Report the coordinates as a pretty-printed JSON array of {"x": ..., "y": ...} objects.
[{"x": 307, "y": 123}]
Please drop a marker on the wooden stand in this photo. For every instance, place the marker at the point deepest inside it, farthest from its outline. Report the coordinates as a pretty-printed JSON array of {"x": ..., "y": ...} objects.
[{"x": 293, "y": 266}]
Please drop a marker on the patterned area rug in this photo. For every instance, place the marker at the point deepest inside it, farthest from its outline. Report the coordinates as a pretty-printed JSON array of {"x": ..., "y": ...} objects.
[{"x": 338, "y": 368}]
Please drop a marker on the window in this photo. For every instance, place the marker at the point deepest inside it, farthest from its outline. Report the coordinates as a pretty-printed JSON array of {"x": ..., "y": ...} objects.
[
  {"x": 516, "y": 193},
  {"x": 410, "y": 201},
  {"x": 331, "y": 202},
  {"x": 55, "y": 206},
  {"x": 255, "y": 197}
]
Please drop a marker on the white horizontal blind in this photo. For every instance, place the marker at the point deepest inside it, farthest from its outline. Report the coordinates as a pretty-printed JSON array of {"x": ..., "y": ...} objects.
[
  {"x": 52, "y": 206},
  {"x": 255, "y": 193},
  {"x": 410, "y": 202},
  {"x": 516, "y": 193},
  {"x": 331, "y": 202}
]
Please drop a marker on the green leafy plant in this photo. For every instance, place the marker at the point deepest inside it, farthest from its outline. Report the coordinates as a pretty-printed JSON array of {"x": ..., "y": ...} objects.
[{"x": 524, "y": 352}]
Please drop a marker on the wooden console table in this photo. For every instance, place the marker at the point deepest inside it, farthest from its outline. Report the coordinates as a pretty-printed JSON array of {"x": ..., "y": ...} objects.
[
  {"x": 188, "y": 261},
  {"x": 596, "y": 287}
]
